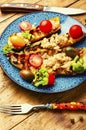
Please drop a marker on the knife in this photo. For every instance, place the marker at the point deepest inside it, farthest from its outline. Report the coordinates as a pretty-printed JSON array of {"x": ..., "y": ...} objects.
[{"x": 25, "y": 7}]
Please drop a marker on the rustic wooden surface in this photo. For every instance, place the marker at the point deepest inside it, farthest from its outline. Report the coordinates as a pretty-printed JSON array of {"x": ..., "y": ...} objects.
[{"x": 10, "y": 92}]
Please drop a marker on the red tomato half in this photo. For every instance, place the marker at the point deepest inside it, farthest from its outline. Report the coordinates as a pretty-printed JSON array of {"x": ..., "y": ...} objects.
[
  {"x": 25, "y": 25},
  {"x": 51, "y": 79},
  {"x": 35, "y": 60},
  {"x": 45, "y": 26},
  {"x": 75, "y": 31}
]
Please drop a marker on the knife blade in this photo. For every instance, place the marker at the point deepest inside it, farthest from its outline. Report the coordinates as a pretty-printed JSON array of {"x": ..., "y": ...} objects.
[{"x": 25, "y": 7}]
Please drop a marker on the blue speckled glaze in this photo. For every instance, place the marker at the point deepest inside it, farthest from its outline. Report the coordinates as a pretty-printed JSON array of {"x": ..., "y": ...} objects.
[{"x": 62, "y": 83}]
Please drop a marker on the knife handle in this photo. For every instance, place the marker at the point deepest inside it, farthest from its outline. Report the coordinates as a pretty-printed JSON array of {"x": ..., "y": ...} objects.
[
  {"x": 20, "y": 7},
  {"x": 69, "y": 106}
]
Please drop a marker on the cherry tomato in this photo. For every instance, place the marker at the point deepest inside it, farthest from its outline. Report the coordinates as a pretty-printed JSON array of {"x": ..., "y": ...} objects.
[
  {"x": 35, "y": 60},
  {"x": 51, "y": 79},
  {"x": 45, "y": 26},
  {"x": 25, "y": 25},
  {"x": 17, "y": 41},
  {"x": 75, "y": 31}
]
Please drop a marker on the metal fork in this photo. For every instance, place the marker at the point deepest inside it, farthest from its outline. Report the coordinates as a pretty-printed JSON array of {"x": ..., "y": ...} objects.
[
  {"x": 22, "y": 108},
  {"x": 26, "y": 108}
]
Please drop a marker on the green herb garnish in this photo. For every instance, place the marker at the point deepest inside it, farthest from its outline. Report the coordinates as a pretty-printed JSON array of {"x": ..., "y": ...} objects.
[
  {"x": 41, "y": 77},
  {"x": 27, "y": 35},
  {"x": 6, "y": 49}
]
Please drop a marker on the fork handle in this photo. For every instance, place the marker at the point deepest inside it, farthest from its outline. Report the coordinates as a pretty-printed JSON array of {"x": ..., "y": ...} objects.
[{"x": 69, "y": 106}]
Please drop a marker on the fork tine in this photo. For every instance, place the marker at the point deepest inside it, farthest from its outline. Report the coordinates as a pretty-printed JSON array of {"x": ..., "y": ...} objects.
[
  {"x": 16, "y": 109},
  {"x": 10, "y": 108},
  {"x": 14, "y": 113},
  {"x": 6, "y": 109},
  {"x": 12, "y": 105},
  {"x": 11, "y": 111}
]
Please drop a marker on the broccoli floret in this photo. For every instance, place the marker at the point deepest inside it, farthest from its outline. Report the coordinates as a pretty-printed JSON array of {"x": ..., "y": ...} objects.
[
  {"x": 84, "y": 58},
  {"x": 41, "y": 77},
  {"x": 79, "y": 63}
]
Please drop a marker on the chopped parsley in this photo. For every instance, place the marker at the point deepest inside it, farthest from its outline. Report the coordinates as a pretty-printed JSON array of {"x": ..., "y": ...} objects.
[
  {"x": 27, "y": 35},
  {"x": 6, "y": 49}
]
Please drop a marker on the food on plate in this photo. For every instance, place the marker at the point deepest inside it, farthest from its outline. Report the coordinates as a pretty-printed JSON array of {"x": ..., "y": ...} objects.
[
  {"x": 75, "y": 31},
  {"x": 43, "y": 77},
  {"x": 51, "y": 79},
  {"x": 52, "y": 27},
  {"x": 17, "y": 41},
  {"x": 27, "y": 75},
  {"x": 41, "y": 61},
  {"x": 35, "y": 60},
  {"x": 31, "y": 34},
  {"x": 58, "y": 41},
  {"x": 25, "y": 26},
  {"x": 46, "y": 66},
  {"x": 70, "y": 51},
  {"x": 45, "y": 26},
  {"x": 79, "y": 63}
]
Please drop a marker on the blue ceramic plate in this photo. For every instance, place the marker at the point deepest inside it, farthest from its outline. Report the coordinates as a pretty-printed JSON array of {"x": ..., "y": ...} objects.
[{"x": 62, "y": 83}]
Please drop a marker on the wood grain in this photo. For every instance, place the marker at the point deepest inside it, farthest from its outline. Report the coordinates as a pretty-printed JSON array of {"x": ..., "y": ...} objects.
[
  {"x": 80, "y": 4},
  {"x": 10, "y": 92},
  {"x": 59, "y": 3}
]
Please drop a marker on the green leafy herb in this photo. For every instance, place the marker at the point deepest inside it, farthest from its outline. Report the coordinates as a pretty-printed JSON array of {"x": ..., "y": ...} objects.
[
  {"x": 27, "y": 35},
  {"x": 77, "y": 65},
  {"x": 84, "y": 58},
  {"x": 6, "y": 49},
  {"x": 41, "y": 77}
]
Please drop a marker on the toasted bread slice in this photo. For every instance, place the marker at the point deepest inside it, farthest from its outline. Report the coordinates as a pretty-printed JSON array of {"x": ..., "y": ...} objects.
[
  {"x": 59, "y": 63},
  {"x": 38, "y": 34},
  {"x": 61, "y": 41}
]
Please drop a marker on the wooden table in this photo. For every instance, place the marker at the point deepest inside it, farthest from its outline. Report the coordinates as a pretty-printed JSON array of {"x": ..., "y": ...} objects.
[{"x": 10, "y": 92}]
